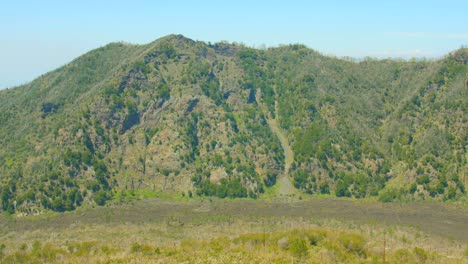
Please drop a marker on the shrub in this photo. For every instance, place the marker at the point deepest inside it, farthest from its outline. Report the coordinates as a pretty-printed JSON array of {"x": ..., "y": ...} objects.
[
  {"x": 135, "y": 248},
  {"x": 270, "y": 179},
  {"x": 403, "y": 256},
  {"x": 101, "y": 197},
  {"x": 353, "y": 243},
  {"x": 300, "y": 179},
  {"x": 48, "y": 253},
  {"x": 423, "y": 180},
  {"x": 143, "y": 249},
  {"x": 108, "y": 250},
  {"x": 2, "y": 248},
  {"x": 298, "y": 247},
  {"x": 390, "y": 195},
  {"x": 315, "y": 237},
  {"x": 83, "y": 248},
  {"x": 421, "y": 254},
  {"x": 342, "y": 189}
]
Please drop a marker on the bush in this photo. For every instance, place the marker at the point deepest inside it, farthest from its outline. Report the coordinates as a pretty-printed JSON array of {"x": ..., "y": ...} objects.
[
  {"x": 48, "y": 253},
  {"x": 83, "y": 248},
  {"x": 57, "y": 205},
  {"x": 2, "y": 248},
  {"x": 421, "y": 254},
  {"x": 101, "y": 197},
  {"x": 353, "y": 243},
  {"x": 390, "y": 195},
  {"x": 423, "y": 180},
  {"x": 270, "y": 179},
  {"x": 300, "y": 179},
  {"x": 325, "y": 188},
  {"x": 315, "y": 237},
  {"x": 228, "y": 188},
  {"x": 298, "y": 247},
  {"x": 403, "y": 256},
  {"x": 136, "y": 248},
  {"x": 143, "y": 249},
  {"x": 342, "y": 189}
]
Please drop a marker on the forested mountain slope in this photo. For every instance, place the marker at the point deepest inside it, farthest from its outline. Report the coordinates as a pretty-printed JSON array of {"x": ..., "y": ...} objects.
[{"x": 178, "y": 115}]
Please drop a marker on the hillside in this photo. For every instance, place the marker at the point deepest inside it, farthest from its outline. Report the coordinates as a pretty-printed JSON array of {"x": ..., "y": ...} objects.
[{"x": 181, "y": 116}]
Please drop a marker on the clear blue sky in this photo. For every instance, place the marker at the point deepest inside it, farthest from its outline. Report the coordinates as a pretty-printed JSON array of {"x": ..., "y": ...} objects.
[{"x": 39, "y": 36}]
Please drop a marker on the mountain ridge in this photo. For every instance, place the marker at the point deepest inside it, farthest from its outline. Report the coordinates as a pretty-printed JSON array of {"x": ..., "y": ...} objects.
[{"x": 178, "y": 115}]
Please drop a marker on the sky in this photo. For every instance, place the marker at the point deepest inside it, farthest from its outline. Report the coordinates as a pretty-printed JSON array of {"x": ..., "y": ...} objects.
[{"x": 39, "y": 36}]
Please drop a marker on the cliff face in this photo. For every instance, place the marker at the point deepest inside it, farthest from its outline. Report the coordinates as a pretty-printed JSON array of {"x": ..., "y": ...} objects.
[{"x": 181, "y": 116}]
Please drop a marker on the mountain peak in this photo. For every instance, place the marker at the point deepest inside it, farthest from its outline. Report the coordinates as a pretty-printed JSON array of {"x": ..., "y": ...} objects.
[{"x": 176, "y": 38}]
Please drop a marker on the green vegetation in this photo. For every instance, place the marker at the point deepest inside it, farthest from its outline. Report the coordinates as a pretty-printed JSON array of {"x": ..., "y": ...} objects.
[
  {"x": 357, "y": 126},
  {"x": 231, "y": 189},
  {"x": 244, "y": 230},
  {"x": 177, "y": 115},
  {"x": 304, "y": 245}
]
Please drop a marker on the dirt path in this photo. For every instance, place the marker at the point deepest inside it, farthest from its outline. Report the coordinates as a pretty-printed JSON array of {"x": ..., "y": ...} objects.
[{"x": 285, "y": 188}]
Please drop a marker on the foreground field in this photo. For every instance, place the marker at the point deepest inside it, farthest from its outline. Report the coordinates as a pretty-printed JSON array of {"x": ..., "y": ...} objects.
[{"x": 227, "y": 231}]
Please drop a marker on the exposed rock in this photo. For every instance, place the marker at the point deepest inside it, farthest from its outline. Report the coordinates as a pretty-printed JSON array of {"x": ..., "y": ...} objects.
[{"x": 283, "y": 243}]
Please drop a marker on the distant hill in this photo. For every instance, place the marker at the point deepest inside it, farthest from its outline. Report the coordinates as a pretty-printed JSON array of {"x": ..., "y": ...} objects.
[{"x": 182, "y": 116}]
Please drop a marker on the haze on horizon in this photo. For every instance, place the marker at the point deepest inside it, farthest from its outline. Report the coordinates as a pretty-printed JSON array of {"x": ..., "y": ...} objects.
[{"x": 42, "y": 36}]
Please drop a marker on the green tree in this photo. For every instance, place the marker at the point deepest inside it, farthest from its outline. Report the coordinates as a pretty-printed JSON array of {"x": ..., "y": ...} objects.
[
  {"x": 342, "y": 189},
  {"x": 101, "y": 197}
]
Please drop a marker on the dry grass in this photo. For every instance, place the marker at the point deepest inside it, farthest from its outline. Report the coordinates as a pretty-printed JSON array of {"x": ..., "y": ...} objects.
[
  {"x": 294, "y": 246},
  {"x": 168, "y": 231}
]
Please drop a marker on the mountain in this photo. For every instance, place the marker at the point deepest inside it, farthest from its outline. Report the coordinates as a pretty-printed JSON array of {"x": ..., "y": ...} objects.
[{"x": 184, "y": 116}]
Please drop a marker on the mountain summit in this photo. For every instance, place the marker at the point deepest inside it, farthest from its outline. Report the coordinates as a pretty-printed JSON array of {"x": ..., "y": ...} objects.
[{"x": 183, "y": 116}]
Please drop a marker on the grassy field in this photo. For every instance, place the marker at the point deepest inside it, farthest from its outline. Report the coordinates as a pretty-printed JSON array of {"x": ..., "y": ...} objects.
[{"x": 225, "y": 231}]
